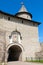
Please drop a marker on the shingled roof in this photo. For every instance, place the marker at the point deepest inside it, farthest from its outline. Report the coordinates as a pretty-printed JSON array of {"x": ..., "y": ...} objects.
[{"x": 19, "y": 17}]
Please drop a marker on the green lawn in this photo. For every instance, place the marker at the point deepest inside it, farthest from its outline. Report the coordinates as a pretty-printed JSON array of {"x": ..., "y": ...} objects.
[{"x": 39, "y": 61}]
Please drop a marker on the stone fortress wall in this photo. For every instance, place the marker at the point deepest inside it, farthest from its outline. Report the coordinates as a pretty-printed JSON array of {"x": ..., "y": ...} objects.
[{"x": 29, "y": 33}]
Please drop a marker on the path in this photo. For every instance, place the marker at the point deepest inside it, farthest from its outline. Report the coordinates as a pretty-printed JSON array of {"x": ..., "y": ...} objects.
[{"x": 23, "y": 63}]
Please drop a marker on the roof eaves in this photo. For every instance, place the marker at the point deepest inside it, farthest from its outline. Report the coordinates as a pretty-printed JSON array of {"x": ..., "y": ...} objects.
[{"x": 19, "y": 17}]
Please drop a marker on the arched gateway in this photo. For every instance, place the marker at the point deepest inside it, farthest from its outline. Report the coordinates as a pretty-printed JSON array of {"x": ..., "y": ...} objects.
[{"x": 14, "y": 52}]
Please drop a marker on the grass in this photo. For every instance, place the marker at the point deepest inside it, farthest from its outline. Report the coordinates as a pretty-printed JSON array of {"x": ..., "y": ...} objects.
[
  {"x": 3, "y": 63},
  {"x": 37, "y": 61}
]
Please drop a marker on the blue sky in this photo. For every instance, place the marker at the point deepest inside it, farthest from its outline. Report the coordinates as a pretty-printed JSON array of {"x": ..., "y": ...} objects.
[{"x": 33, "y": 6}]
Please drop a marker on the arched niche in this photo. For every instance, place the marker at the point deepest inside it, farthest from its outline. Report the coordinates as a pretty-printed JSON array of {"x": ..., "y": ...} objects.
[{"x": 15, "y": 37}]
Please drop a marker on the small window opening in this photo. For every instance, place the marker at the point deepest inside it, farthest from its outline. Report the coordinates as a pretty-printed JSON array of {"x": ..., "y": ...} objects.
[
  {"x": 22, "y": 21},
  {"x": 8, "y": 18},
  {"x": 33, "y": 24},
  {"x": 27, "y": 16}
]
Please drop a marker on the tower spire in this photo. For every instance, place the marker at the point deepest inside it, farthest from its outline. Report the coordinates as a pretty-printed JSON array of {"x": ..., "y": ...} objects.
[
  {"x": 23, "y": 9},
  {"x": 23, "y": 13}
]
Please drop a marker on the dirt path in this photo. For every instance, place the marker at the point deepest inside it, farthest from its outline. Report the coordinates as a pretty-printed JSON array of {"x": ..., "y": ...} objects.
[{"x": 23, "y": 63}]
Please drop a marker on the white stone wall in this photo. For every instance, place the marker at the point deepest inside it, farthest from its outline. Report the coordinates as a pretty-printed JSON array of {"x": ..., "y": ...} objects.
[{"x": 28, "y": 32}]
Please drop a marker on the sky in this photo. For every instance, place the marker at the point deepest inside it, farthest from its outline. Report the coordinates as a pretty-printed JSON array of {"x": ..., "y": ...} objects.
[{"x": 35, "y": 7}]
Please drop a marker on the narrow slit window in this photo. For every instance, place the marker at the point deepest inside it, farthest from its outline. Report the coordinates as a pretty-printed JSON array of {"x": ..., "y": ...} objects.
[
  {"x": 22, "y": 21},
  {"x": 8, "y": 18},
  {"x": 33, "y": 24}
]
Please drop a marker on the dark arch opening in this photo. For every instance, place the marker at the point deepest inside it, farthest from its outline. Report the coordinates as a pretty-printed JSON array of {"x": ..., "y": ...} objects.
[{"x": 15, "y": 53}]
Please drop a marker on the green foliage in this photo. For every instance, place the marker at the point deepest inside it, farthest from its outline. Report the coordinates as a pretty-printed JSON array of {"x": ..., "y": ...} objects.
[
  {"x": 3, "y": 63},
  {"x": 0, "y": 63}
]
